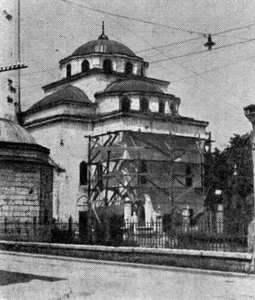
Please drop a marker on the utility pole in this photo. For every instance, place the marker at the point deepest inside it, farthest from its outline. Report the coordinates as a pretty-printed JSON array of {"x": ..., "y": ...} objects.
[
  {"x": 18, "y": 110},
  {"x": 18, "y": 66}
]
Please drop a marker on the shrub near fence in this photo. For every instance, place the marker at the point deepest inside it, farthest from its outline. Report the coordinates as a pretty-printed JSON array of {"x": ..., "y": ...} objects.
[
  {"x": 229, "y": 236},
  {"x": 26, "y": 231}
]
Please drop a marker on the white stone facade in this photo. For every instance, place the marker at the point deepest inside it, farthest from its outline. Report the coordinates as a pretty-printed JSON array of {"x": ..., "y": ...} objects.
[{"x": 64, "y": 127}]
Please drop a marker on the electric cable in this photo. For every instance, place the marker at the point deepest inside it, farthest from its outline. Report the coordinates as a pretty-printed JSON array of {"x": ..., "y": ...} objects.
[
  {"x": 202, "y": 51},
  {"x": 134, "y": 19}
]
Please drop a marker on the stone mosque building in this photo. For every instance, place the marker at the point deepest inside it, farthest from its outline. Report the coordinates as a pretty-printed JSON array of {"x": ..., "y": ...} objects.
[{"x": 114, "y": 133}]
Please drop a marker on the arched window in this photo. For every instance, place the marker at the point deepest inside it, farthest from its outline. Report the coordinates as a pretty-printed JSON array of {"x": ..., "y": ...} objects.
[
  {"x": 142, "y": 71},
  {"x": 144, "y": 104},
  {"x": 85, "y": 66},
  {"x": 172, "y": 108},
  {"x": 161, "y": 106},
  {"x": 68, "y": 70},
  {"x": 129, "y": 68},
  {"x": 125, "y": 104},
  {"x": 107, "y": 66},
  {"x": 83, "y": 173}
]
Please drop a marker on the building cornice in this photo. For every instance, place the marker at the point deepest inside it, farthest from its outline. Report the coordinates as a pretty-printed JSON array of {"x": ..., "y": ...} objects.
[
  {"x": 73, "y": 57},
  {"x": 58, "y": 118},
  {"x": 96, "y": 71},
  {"x": 152, "y": 116},
  {"x": 60, "y": 102},
  {"x": 137, "y": 93}
]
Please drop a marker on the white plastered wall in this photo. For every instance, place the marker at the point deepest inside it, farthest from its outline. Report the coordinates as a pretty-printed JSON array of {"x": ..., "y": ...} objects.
[{"x": 68, "y": 148}]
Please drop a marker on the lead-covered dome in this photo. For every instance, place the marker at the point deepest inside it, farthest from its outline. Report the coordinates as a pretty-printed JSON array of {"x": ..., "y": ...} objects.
[
  {"x": 11, "y": 132},
  {"x": 103, "y": 46},
  {"x": 132, "y": 85},
  {"x": 68, "y": 94}
]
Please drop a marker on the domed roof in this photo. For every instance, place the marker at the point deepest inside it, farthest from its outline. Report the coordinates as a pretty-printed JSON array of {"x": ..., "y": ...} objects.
[
  {"x": 132, "y": 85},
  {"x": 103, "y": 45},
  {"x": 68, "y": 93},
  {"x": 12, "y": 132}
]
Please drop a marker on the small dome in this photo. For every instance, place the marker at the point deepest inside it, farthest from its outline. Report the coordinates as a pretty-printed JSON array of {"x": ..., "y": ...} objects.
[
  {"x": 103, "y": 45},
  {"x": 68, "y": 93},
  {"x": 12, "y": 132},
  {"x": 133, "y": 85}
]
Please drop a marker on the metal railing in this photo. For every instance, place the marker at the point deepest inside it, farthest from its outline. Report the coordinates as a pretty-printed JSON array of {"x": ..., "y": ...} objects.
[{"x": 224, "y": 236}]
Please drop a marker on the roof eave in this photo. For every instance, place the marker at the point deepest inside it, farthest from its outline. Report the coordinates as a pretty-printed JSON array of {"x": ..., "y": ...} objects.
[
  {"x": 55, "y": 104},
  {"x": 100, "y": 71},
  {"x": 68, "y": 58}
]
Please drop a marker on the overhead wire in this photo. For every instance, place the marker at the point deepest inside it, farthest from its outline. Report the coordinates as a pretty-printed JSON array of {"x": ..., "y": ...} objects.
[
  {"x": 215, "y": 69},
  {"x": 42, "y": 71},
  {"x": 234, "y": 29},
  {"x": 155, "y": 48},
  {"x": 135, "y": 19},
  {"x": 181, "y": 65},
  {"x": 203, "y": 51},
  {"x": 167, "y": 45}
]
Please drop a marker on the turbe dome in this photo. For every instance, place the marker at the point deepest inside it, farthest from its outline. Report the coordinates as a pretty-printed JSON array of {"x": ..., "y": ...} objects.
[{"x": 12, "y": 132}]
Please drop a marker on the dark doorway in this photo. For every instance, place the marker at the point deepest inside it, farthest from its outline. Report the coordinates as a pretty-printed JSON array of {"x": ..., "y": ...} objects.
[{"x": 83, "y": 225}]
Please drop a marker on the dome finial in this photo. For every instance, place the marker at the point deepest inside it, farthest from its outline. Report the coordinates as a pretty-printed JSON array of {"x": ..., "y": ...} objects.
[
  {"x": 103, "y": 28},
  {"x": 103, "y": 36}
]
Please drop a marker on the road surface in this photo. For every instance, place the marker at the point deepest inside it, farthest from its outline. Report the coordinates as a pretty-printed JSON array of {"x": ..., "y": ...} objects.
[{"x": 35, "y": 277}]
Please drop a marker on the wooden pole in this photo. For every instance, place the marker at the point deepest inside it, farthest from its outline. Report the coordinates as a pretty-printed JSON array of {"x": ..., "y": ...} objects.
[{"x": 18, "y": 110}]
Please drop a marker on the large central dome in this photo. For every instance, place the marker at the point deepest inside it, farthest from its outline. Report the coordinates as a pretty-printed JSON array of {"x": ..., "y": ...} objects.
[{"x": 103, "y": 45}]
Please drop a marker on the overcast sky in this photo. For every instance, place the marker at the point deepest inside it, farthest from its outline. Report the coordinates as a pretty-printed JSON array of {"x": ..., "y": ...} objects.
[{"x": 213, "y": 85}]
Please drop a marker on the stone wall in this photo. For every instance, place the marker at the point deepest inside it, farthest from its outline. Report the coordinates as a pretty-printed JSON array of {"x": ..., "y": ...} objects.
[
  {"x": 25, "y": 192},
  {"x": 19, "y": 192}
]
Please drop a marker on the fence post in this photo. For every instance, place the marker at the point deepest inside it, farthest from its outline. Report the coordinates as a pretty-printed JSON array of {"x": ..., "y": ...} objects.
[
  {"x": 252, "y": 236},
  {"x": 70, "y": 228}
]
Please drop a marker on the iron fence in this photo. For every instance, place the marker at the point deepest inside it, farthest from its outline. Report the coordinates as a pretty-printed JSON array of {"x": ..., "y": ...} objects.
[{"x": 222, "y": 236}]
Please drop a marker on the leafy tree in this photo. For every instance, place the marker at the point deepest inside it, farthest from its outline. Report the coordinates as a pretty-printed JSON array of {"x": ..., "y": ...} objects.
[{"x": 230, "y": 170}]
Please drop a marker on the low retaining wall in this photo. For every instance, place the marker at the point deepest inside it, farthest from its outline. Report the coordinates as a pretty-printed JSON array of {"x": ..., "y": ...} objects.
[{"x": 210, "y": 260}]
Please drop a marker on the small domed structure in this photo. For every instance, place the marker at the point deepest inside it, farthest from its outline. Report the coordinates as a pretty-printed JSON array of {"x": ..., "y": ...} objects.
[
  {"x": 136, "y": 95},
  {"x": 67, "y": 94},
  {"x": 26, "y": 182},
  {"x": 11, "y": 132}
]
